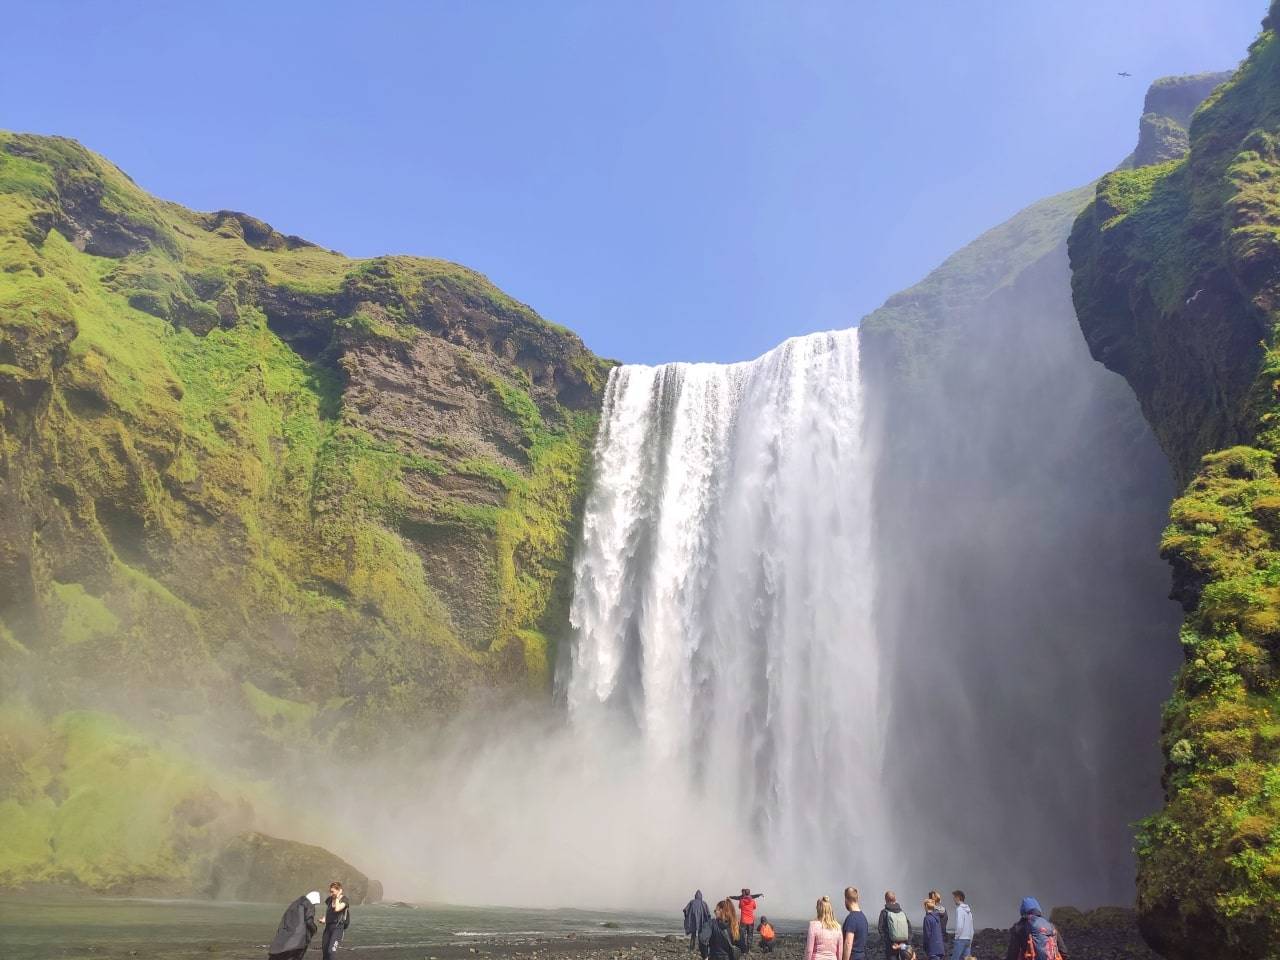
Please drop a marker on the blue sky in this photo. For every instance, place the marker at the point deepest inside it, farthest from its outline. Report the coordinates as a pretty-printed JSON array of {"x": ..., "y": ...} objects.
[{"x": 674, "y": 180}]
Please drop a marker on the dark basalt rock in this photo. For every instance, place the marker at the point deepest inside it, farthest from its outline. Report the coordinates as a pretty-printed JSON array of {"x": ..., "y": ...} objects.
[{"x": 257, "y": 868}]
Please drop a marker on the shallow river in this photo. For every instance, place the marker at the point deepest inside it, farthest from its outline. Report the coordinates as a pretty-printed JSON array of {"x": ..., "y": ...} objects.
[{"x": 181, "y": 930}]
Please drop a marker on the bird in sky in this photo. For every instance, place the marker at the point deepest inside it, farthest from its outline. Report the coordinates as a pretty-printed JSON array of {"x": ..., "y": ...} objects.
[
  {"x": 1195, "y": 295},
  {"x": 1124, "y": 73}
]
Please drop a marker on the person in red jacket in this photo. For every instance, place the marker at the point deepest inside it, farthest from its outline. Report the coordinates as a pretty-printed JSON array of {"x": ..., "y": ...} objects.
[{"x": 747, "y": 907}]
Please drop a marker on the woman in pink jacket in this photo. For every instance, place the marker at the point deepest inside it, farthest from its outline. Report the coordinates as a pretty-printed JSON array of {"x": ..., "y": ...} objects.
[{"x": 824, "y": 934}]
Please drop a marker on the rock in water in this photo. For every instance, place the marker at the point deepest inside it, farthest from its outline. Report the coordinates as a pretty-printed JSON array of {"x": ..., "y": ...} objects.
[{"x": 254, "y": 867}]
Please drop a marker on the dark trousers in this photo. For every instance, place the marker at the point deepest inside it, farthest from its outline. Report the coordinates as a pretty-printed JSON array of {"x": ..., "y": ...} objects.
[
  {"x": 332, "y": 937},
  {"x": 748, "y": 935}
]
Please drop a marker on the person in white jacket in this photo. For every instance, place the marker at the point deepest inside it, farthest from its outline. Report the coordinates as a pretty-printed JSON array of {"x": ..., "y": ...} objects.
[{"x": 963, "y": 927}]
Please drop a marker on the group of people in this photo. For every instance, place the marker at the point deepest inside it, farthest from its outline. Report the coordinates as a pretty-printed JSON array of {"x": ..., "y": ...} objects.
[
  {"x": 299, "y": 925},
  {"x": 895, "y": 931},
  {"x": 723, "y": 936},
  {"x": 730, "y": 931}
]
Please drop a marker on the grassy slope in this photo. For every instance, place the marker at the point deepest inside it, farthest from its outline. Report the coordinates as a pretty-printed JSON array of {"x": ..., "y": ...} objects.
[
  {"x": 74, "y": 812},
  {"x": 910, "y": 324},
  {"x": 195, "y": 518},
  {"x": 1209, "y": 862}
]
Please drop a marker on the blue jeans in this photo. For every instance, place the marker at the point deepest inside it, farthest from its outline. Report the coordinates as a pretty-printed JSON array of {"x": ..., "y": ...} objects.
[{"x": 960, "y": 949}]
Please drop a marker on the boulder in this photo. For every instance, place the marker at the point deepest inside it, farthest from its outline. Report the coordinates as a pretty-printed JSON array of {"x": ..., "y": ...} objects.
[{"x": 254, "y": 867}]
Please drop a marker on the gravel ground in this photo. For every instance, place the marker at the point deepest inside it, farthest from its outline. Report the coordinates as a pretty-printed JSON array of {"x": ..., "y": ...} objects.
[{"x": 1106, "y": 934}]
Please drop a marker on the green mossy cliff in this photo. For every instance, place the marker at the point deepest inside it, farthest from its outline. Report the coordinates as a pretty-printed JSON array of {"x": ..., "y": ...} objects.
[
  {"x": 1177, "y": 286},
  {"x": 248, "y": 478}
]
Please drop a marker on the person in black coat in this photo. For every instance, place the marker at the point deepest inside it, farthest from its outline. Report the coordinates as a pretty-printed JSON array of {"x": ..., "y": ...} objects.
[
  {"x": 726, "y": 933},
  {"x": 297, "y": 927}
]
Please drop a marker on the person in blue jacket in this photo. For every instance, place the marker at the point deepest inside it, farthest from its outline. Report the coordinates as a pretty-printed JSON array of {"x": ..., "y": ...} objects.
[
  {"x": 934, "y": 946},
  {"x": 1035, "y": 932}
]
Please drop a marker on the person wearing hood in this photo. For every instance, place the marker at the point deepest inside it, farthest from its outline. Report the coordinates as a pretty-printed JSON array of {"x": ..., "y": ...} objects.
[
  {"x": 1034, "y": 931},
  {"x": 697, "y": 923},
  {"x": 894, "y": 927},
  {"x": 963, "y": 927},
  {"x": 297, "y": 927},
  {"x": 767, "y": 935}
]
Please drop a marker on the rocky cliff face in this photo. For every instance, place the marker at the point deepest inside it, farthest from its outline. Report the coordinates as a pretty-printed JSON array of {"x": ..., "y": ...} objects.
[
  {"x": 1177, "y": 286},
  {"x": 1019, "y": 500},
  {"x": 1166, "y": 116},
  {"x": 246, "y": 478},
  {"x": 1019, "y": 497}
]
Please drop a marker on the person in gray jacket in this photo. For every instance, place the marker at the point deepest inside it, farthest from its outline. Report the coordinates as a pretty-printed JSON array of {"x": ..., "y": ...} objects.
[
  {"x": 963, "y": 944},
  {"x": 297, "y": 927}
]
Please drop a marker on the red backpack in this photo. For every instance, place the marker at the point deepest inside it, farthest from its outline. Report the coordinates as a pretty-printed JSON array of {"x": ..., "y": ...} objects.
[{"x": 1042, "y": 940}]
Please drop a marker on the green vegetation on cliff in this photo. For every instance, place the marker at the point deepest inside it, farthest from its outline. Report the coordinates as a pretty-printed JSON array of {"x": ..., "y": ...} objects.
[
  {"x": 912, "y": 327},
  {"x": 73, "y": 811},
  {"x": 1166, "y": 116},
  {"x": 1176, "y": 284},
  {"x": 246, "y": 477}
]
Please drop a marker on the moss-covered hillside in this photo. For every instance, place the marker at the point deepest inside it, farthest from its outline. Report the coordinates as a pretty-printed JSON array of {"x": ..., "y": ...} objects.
[
  {"x": 248, "y": 478},
  {"x": 1177, "y": 286}
]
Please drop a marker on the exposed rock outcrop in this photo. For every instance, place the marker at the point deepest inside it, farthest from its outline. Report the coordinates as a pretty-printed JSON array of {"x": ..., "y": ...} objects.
[
  {"x": 256, "y": 868},
  {"x": 1166, "y": 116}
]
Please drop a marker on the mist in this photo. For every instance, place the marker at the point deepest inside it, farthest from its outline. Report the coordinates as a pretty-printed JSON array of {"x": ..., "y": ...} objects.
[
  {"x": 720, "y": 622},
  {"x": 841, "y": 615},
  {"x": 1019, "y": 502},
  {"x": 881, "y": 607},
  {"x": 518, "y": 808}
]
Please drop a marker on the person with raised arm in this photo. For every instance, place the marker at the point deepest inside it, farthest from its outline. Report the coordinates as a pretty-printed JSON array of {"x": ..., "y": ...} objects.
[{"x": 747, "y": 903}]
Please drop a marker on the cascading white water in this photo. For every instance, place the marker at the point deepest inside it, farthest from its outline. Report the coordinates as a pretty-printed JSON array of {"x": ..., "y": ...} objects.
[
  {"x": 722, "y": 598},
  {"x": 734, "y": 708}
]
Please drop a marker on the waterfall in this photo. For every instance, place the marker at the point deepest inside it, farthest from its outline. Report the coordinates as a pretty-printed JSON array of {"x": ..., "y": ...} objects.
[
  {"x": 722, "y": 597},
  {"x": 762, "y": 686}
]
